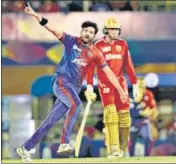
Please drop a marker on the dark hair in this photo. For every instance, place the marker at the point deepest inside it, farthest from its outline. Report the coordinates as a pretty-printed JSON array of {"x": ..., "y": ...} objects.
[{"x": 90, "y": 24}]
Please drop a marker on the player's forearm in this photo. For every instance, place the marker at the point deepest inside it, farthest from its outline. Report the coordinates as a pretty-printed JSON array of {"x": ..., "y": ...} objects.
[
  {"x": 115, "y": 82},
  {"x": 43, "y": 21},
  {"x": 49, "y": 26},
  {"x": 52, "y": 29},
  {"x": 38, "y": 17},
  {"x": 113, "y": 79}
]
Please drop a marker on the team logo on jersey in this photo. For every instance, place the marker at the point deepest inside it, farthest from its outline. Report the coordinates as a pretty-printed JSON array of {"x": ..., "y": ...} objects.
[
  {"x": 89, "y": 54},
  {"x": 81, "y": 62},
  {"x": 75, "y": 47},
  {"x": 118, "y": 48},
  {"x": 106, "y": 90}
]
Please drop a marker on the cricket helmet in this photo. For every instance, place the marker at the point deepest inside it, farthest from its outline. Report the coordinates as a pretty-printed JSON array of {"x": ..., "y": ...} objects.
[{"x": 111, "y": 23}]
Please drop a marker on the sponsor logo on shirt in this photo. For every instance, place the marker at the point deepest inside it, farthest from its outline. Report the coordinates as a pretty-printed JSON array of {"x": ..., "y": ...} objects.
[
  {"x": 106, "y": 49},
  {"x": 75, "y": 47},
  {"x": 113, "y": 56},
  {"x": 89, "y": 54},
  {"x": 81, "y": 62},
  {"x": 133, "y": 129}
]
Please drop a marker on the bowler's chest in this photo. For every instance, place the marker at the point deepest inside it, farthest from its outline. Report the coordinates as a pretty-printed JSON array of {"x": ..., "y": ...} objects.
[{"x": 82, "y": 56}]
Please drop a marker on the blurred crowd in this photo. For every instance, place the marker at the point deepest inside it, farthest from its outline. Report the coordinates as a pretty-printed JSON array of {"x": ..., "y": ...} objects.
[{"x": 92, "y": 5}]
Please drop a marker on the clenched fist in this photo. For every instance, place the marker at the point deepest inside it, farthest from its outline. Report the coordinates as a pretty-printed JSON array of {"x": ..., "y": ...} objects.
[{"x": 90, "y": 94}]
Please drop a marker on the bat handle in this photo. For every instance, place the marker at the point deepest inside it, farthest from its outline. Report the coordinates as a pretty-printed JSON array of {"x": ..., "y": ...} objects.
[{"x": 90, "y": 102}]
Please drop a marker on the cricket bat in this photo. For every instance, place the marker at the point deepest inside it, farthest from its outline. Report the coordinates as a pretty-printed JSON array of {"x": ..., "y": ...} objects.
[{"x": 81, "y": 129}]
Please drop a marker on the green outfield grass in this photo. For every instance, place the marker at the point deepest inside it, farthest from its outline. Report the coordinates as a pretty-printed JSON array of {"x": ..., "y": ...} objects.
[{"x": 102, "y": 160}]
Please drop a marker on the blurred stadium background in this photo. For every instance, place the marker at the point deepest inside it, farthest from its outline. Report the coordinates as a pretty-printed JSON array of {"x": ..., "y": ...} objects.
[{"x": 30, "y": 55}]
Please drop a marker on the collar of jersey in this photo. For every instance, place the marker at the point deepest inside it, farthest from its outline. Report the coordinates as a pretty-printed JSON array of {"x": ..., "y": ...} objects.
[{"x": 104, "y": 39}]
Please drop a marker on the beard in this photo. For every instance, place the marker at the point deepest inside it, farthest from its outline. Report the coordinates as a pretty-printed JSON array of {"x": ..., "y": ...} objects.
[{"x": 87, "y": 40}]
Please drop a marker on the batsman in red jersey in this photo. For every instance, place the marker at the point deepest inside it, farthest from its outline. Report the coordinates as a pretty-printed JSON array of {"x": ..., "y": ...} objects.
[{"x": 115, "y": 51}]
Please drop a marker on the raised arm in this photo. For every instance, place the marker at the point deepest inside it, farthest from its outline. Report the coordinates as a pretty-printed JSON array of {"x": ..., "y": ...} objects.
[{"x": 44, "y": 22}]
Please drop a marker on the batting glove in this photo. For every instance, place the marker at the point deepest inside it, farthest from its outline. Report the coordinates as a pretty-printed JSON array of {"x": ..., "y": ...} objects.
[{"x": 90, "y": 94}]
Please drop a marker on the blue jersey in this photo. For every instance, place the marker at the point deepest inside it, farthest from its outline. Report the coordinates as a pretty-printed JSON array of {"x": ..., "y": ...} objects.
[
  {"x": 77, "y": 58},
  {"x": 135, "y": 108}
]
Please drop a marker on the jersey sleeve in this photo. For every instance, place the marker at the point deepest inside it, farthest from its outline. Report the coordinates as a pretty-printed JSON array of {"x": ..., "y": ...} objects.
[
  {"x": 100, "y": 60},
  {"x": 90, "y": 74},
  {"x": 129, "y": 66},
  {"x": 151, "y": 101},
  {"x": 67, "y": 40}
]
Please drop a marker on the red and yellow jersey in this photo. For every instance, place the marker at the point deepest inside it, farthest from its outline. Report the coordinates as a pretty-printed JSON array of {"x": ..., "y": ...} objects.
[
  {"x": 149, "y": 99},
  {"x": 117, "y": 57}
]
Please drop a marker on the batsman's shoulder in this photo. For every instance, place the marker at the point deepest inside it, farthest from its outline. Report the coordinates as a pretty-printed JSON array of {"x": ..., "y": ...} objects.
[
  {"x": 97, "y": 52},
  {"x": 123, "y": 41},
  {"x": 149, "y": 93},
  {"x": 95, "y": 49},
  {"x": 99, "y": 43}
]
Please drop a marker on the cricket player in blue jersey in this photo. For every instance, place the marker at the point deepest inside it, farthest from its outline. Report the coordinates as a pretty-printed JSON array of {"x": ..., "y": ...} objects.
[
  {"x": 79, "y": 54},
  {"x": 143, "y": 111}
]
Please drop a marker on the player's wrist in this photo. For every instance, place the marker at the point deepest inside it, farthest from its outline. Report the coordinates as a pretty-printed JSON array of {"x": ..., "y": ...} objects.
[
  {"x": 43, "y": 22},
  {"x": 90, "y": 88},
  {"x": 120, "y": 90},
  {"x": 38, "y": 17}
]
